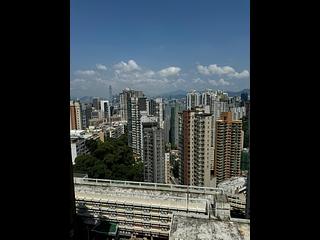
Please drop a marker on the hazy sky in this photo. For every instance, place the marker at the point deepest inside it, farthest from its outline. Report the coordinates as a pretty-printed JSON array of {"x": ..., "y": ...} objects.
[{"x": 159, "y": 45}]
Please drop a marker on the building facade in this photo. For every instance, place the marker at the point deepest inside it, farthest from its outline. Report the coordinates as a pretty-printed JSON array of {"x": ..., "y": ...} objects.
[
  {"x": 96, "y": 103},
  {"x": 75, "y": 115},
  {"x": 134, "y": 124},
  {"x": 105, "y": 110},
  {"x": 153, "y": 149},
  {"x": 124, "y": 99},
  {"x": 193, "y": 99},
  {"x": 196, "y": 150},
  {"x": 86, "y": 110},
  {"x": 228, "y": 147},
  {"x": 174, "y": 124}
]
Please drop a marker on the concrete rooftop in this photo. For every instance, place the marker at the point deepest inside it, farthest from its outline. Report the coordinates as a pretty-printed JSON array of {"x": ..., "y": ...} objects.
[{"x": 186, "y": 228}]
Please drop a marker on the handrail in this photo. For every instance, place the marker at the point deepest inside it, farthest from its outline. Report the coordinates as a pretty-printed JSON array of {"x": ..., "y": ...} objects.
[{"x": 154, "y": 186}]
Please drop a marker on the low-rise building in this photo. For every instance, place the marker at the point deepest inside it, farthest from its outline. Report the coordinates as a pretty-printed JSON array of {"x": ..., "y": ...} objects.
[
  {"x": 115, "y": 130},
  {"x": 235, "y": 189},
  {"x": 78, "y": 140}
]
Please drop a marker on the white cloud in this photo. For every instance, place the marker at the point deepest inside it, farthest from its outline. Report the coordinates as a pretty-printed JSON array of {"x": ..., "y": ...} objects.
[
  {"x": 126, "y": 67},
  {"x": 243, "y": 74},
  {"x": 223, "y": 82},
  {"x": 220, "y": 82},
  {"x": 170, "y": 71},
  {"x": 203, "y": 70},
  {"x": 213, "y": 82},
  {"x": 85, "y": 72},
  {"x": 214, "y": 69},
  {"x": 149, "y": 73},
  {"x": 198, "y": 80},
  {"x": 78, "y": 80},
  {"x": 130, "y": 74},
  {"x": 101, "y": 67}
]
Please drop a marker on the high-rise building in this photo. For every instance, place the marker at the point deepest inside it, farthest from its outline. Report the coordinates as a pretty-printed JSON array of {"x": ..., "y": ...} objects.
[
  {"x": 167, "y": 116},
  {"x": 96, "y": 103},
  {"x": 218, "y": 106},
  {"x": 151, "y": 107},
  {"x": 110, "y": 94},
  {"x": 207, "y": 97},
  {"x": 160, "y": 112},
  {"x": 134, "y": 123},
  {"x": 153, "y": 151},
  {"x": 228, "y": 147},
  {"x": 86, "y": 110},
  {"x": 244, "y": 97},
  {"x": 105, "y": 110},
  {"x": 193, "y": 99},
  {"x": 124, "y": 98},
  {"x": 238, "y": 112},
  {"x": 75, "y": 115},
  {"x": 234, "y": 102},
  {"x": 167, "y": 167},
  {"x": 196, "y": 151},
  {"x": 174, "y": 123},
  {"x": 142, "y": 103}
]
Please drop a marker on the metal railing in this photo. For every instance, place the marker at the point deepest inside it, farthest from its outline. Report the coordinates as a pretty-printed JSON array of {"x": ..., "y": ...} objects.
[{"x": 148, "y": 186}]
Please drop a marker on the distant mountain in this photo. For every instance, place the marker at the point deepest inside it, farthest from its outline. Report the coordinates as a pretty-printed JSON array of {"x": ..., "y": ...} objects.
[
  {"x": 174, "y": 94},
  {"x": 182, "y": 93},
  {"x": 84, "y": 99},
  {"x": 233, "y": 94}
]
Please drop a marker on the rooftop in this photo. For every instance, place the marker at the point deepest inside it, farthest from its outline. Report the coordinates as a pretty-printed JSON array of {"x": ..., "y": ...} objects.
[
  {"x": 232, "y": 184},
  {"x": 187, "y": 228}
]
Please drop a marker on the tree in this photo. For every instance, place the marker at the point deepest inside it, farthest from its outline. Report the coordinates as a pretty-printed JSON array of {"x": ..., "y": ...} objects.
[
  {"x": 245, "y": 128},
  {"x": 85, "y": 163},
  {"x": 175, "y": 169},
  {"x": 92, "y": 145},
  {"x": 112, "y": 159},
  {"x": 245, "y": 161}
]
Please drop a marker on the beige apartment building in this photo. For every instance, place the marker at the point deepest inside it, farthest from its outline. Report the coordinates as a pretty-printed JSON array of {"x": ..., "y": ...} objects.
[
  {"x": 196, "y": 150},
  {"x": 228, "y": 147}
]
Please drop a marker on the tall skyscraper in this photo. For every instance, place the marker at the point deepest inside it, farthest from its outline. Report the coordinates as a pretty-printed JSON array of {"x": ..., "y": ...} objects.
[
  {"x": 142, "y": 103},
  {"x": 86, "y": 110},
  {"x": 193, "y": 99},
  {"x": 167, "y": 116},
  {"x": 238, "y": 112},
  {"x": 110, "y": 94},
  {"x": 134, "y": 123},
  {"x": 174, "y": 123},
  {"x": 217, "y": 107},
  {"x": 207, "y": 97},
  {"x": 124, "y": 98},
  {"x": 105, "y": 110},
  {"x": 153, "y": 150},
  {"x": 96, "y": 103},
  {"x": 75, "y": 115},
  {"x": 228, "y": 147},
  {"x": 196, "y": 151},
  {"x": 160, "y": 112},
  {"x": 244, "y": 97},
  {"x": 151, "y": 107}
]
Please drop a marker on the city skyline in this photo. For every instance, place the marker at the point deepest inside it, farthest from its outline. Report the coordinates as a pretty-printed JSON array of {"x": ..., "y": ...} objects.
[{"x": 158, "y": 47}]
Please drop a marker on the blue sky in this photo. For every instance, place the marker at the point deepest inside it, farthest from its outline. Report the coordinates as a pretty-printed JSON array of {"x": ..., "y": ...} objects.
[{"x": 159, "y": 45}]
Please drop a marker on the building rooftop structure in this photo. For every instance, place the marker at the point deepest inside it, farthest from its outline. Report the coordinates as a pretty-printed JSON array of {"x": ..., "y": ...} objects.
[
  {"x": 186, "y": 228},
  {"x": 232, "y": 185},
  {"x": 235, "y": 189},
  {"x": 159, "y": 210}
]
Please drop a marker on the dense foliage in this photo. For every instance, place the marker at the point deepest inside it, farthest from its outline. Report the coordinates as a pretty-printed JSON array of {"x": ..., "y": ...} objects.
[
  {"x": 112, "y": 159},
  {"x": 245, "y": 162},
  {"x": 245, "y": 128}
]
